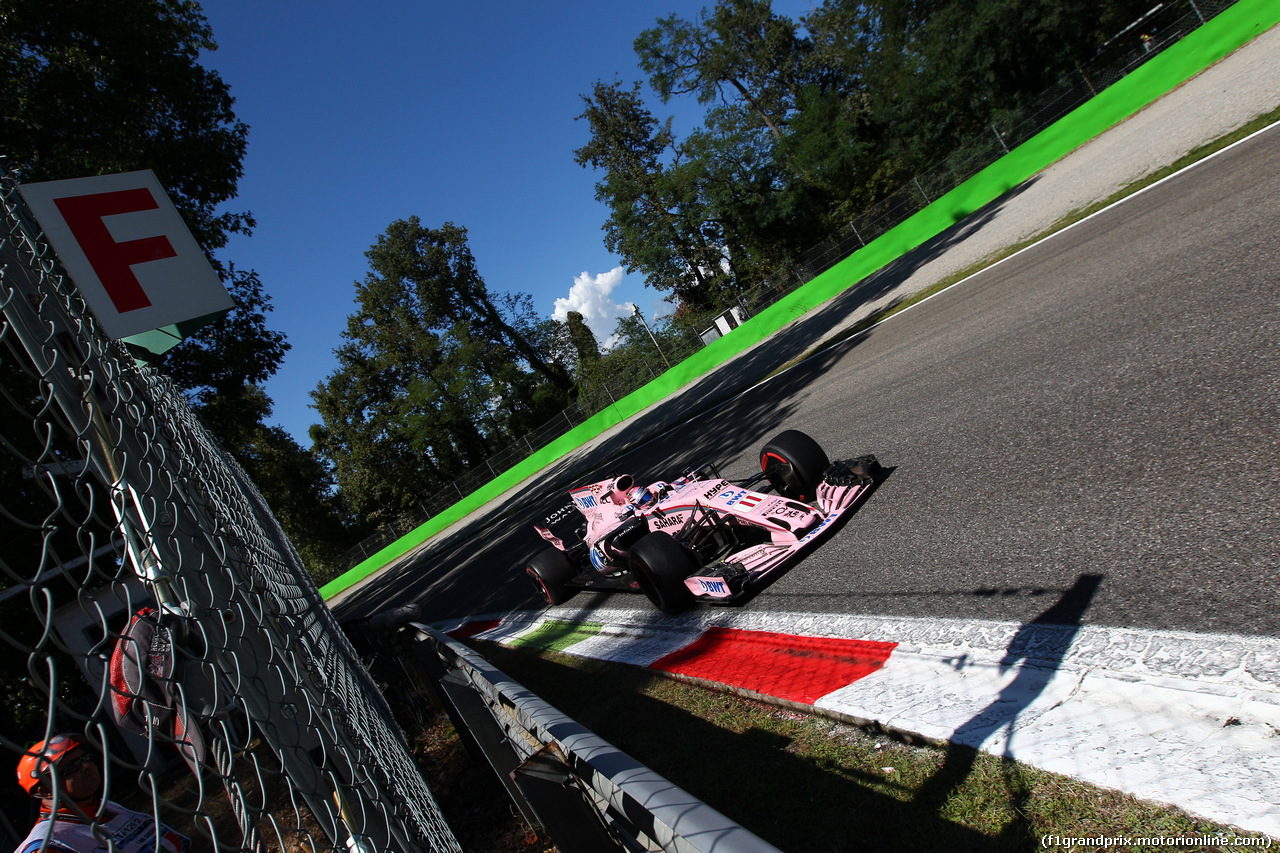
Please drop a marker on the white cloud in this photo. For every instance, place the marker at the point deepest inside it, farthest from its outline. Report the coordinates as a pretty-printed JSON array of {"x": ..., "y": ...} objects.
[{"x": 591, "y": 296}]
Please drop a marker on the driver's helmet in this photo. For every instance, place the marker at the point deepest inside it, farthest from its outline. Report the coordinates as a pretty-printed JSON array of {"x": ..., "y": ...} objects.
[
  {"x": 34, "y": 765},
  {"x": 640, "y": 497}
]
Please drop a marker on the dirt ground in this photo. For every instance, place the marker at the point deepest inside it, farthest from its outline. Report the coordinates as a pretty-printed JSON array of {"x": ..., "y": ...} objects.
[{"x": 473, "y": 801}]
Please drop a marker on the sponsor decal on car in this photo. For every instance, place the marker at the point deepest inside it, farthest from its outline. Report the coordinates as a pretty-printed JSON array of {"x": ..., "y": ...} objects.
[
  {"x": 665, "y": 521},
  {"x": 814, "y": 532},
  {"x": 714, "y": 587},
  {"x": 743, "y": 498},
  {"x": 559, "y": 515}
]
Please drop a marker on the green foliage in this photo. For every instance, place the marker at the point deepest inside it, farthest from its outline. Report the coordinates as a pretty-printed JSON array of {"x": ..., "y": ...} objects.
[
  {"x": 586, "y": 348},
  {"x": 809, "y": 123},
  {"x": 220, "y": 359},
  {"x": 101, "y": 86},
  {"x": 639, "y": 356},
  {"x": 435, "y": 373},
  {"x": 104, "y": 86},
  {"x": 659, "y": 224},
  {"x": 739, "y": 52}
]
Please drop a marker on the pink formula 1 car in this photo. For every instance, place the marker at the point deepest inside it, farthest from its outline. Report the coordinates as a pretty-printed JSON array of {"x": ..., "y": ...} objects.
[{"x": 699, "y": 537}]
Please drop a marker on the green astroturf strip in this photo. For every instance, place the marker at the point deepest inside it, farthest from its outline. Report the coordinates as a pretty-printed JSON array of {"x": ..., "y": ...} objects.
[{"x": 554, "y": 635}]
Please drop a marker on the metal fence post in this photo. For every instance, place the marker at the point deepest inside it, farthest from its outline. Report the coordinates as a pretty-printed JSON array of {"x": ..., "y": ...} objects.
[
  {"x": 1000, "y": 138},
  {"x": 916, "y": 181}
]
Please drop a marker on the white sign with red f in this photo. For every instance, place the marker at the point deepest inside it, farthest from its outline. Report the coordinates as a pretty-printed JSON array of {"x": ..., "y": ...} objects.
[{"x": 127, "y": 249}]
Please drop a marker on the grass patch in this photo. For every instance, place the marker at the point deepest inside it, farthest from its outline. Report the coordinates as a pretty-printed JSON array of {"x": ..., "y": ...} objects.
[
  {"x": 807, "y": 783},
  {"x": 1193, "y": 156}
]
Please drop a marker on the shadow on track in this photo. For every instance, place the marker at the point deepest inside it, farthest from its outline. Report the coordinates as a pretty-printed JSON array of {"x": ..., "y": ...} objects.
[
  {"x": 474, "y": 568},
  {"x": 1039, "y": 646},
  {"x": 747, "y": 770}
]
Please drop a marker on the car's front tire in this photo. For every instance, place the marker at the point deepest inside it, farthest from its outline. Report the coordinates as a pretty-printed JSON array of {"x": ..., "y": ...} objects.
[
  {"x": 550, "y": 570},
  {"x": 794, "y": 464},
  {"x": 659, "y": 565}
]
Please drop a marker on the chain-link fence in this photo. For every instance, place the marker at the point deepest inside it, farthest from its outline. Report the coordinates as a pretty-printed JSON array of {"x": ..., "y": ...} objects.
[
  {"x": 1163, "y": 26},
  {"x": 152, "y": 607}
]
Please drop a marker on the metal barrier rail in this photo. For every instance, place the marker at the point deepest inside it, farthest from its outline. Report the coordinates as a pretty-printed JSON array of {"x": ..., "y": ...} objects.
[{"x": 586, "y": 794}]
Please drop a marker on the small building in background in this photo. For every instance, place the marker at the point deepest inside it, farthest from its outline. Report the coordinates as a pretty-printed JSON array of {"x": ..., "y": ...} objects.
[{"x": 724, "y": 323}]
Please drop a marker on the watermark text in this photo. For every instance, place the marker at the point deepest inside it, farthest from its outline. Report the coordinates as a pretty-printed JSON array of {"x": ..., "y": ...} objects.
[{"x": 1116, "y": 842}]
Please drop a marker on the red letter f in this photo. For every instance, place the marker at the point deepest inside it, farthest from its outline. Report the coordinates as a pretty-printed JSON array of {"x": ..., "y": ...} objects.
[{"x": 109, "y": 259}]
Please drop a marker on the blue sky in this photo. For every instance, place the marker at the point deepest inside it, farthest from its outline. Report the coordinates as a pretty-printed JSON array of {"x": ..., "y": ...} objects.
[{"x": 361, "y": 114}]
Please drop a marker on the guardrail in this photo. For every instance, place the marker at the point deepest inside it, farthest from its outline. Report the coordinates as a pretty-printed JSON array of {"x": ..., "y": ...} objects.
[{"x": 588, "y": 795}]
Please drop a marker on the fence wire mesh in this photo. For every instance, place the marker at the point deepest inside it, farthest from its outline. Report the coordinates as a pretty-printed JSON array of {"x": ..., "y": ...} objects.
[
  {"x": 260, "y": 728},
  {"x": 1163, "y": 26}
]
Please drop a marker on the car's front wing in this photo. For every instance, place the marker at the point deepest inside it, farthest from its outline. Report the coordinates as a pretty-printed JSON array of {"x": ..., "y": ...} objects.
[{"x": 844, "y": 486}]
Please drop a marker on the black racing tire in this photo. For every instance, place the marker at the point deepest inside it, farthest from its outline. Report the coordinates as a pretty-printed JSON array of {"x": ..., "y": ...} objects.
[
  {"x": 659, "y": 565},
  {"x": 794, "y": 464},
  {"x": 550, "y": 570}
]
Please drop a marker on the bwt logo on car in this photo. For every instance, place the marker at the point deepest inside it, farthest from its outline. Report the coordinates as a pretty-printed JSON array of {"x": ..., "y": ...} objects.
[{"x": 713, "y": 587}]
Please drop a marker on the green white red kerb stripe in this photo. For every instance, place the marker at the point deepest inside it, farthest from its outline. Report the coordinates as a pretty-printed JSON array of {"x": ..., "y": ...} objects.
[{"x": 1192, "y": 720}]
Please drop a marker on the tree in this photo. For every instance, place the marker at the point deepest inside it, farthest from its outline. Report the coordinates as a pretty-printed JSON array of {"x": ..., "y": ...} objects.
[
  {"x": 740, "y": 51},
  {"x": 439, "y": 266},
  {"x": 103, "y": 86},
  {"x": 435, "y": 373},
  {"x": 754, "y": 71},
  {"x": 100, "y": 86},
  {"x": 659, "y": 223},
  {"x": 586, "y": 347},
  {"x": 943, "y": 69},
  {"x": 837, "y": 141},
  {"x": 377, "y": 470},
  {"x": 238, "y": 349}
]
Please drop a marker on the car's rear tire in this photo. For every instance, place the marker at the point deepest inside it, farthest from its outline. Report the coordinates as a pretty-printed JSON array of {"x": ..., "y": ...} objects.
[
  {"x": 659, "y": 565},
  {"x": 549, "y": 571},
  {"x": 794, "y": 463}
]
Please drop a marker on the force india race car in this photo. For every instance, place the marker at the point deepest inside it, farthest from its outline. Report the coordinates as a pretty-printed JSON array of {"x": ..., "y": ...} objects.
[{"x": 699, "y": 537}]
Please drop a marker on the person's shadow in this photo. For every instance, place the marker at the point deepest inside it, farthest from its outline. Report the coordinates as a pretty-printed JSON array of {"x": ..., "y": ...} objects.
[{"x": 1040, "y": 645}]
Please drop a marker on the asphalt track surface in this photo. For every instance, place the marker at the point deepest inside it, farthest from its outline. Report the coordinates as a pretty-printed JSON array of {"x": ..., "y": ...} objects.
[
  {"x": 1083, "y": 433},
  {"x": 1086, "y": 433}
]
